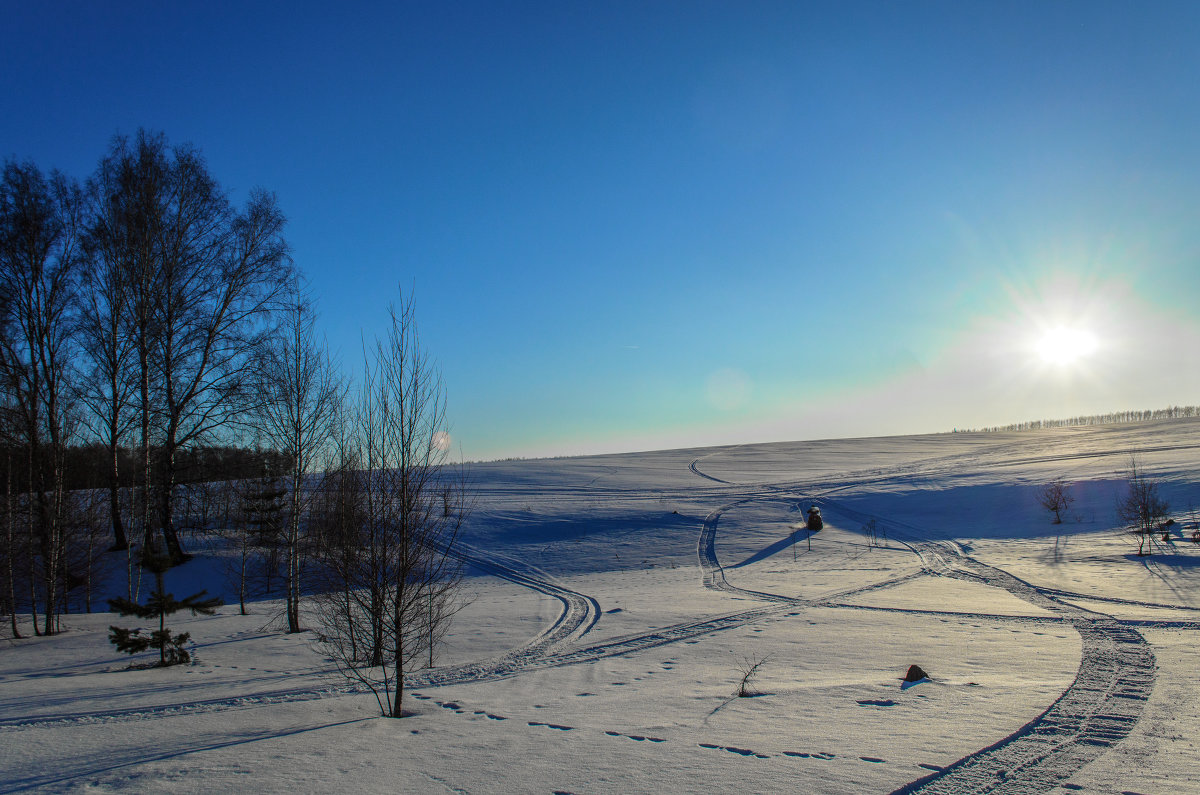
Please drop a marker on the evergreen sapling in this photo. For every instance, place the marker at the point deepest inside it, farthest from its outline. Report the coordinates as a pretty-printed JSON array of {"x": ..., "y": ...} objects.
[{"x": 160, "y": 604}]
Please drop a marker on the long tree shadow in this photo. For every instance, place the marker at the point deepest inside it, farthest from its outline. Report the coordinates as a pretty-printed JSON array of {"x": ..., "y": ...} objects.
[
  {"x": 59, "y": 777},
  {"x": 780, "y": 545}
]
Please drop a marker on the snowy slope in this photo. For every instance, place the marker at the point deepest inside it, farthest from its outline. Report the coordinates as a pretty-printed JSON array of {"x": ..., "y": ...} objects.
[{"x": 614, "y": 599}]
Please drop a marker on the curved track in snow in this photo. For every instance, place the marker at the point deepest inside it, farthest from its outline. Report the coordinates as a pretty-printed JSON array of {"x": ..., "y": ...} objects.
[
  {"x": 1097, "y": 710},
  {"x": 1101, "y": 706},
  {"x": 579, "y": 611},
  {"x": 579, "y": 614},
  {"x": 695, "y": 470}
]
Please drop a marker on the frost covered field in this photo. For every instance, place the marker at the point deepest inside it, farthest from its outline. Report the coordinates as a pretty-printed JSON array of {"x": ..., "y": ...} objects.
[{"x": 615, "y": 598}]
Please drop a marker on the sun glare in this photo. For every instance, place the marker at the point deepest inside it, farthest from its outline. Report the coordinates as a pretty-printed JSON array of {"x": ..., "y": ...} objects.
[{"x": 1064, "y": 346}]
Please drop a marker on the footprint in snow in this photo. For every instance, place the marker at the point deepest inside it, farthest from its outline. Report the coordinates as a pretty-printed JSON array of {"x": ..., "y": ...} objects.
[
  {"x": 734, "y": 750},
  {"x": 874, "y": 759},
  {"x": 871, "y": 702}
]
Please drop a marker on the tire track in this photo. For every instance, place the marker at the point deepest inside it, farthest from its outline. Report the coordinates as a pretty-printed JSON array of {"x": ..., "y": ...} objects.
[
  {"x": 695, "y": 470},
  {"x": 579, "y": 611},
  {"x": 712, "y": 573},
  {"x": 1100, "y": 707}
]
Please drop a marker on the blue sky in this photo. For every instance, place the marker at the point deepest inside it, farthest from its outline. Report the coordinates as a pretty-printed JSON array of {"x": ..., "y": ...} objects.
[{"x": 646, "y": 225}]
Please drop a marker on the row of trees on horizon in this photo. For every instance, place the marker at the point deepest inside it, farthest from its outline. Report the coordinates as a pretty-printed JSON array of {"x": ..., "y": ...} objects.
[
  {"x": 1110, "y": 418},
  {"x": 152, "y": 333}
]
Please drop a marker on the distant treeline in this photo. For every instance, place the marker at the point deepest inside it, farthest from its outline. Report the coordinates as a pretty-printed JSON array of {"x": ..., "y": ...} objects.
[
  {"x": 89, "y": 466},
  {"x": 1111, "y": 418}
]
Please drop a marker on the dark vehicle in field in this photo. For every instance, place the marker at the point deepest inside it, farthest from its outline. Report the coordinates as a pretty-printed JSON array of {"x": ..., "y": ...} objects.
[{"x": 814, "y": 521}]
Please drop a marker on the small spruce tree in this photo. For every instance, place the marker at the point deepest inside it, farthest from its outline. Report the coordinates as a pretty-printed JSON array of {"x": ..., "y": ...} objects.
[{"x": 160, "y": 604}]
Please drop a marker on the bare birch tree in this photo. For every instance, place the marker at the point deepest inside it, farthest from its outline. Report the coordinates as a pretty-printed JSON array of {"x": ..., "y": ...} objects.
[
  {"x": 128, "y": 192},
  {"x": 109, "y": 386},
  {"x": 300, "y": 391},
  {"x": 40, "y": 223},
  {"x": 399, "y": 571},
  {"x": 12, "y": 546},
  {"x": 200, "y": 279}
]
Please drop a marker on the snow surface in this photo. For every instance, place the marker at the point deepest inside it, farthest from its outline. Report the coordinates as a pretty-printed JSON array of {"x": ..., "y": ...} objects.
[{"x": 614, "y": 599}]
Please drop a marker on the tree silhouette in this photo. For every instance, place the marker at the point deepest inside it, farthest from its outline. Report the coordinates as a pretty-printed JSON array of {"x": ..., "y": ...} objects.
[
  {"x": 1056, "y": 497},
  {"x": 1142, "y": 509}
]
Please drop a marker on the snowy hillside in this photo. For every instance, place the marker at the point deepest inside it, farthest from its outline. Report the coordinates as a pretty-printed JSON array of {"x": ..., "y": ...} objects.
[{"x": 615, "y": 600}]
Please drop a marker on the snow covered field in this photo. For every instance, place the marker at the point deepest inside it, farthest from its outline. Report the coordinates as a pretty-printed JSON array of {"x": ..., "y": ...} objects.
[{"x": 616, "y": 597}]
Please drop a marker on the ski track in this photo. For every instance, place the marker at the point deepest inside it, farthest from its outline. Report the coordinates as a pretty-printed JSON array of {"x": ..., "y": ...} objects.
[{"x": 1104, "y": 702}]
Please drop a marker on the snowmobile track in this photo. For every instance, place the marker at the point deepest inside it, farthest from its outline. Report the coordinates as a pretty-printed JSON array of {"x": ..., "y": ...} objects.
[
  {"x": 1098, "y": 709},
  {"x": 580, "y": 612},
  {"x": 694, "y": 469}
]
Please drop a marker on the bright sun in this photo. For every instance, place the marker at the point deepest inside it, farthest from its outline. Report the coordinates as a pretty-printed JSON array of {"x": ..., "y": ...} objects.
[{"x": 1064, "y": 346}]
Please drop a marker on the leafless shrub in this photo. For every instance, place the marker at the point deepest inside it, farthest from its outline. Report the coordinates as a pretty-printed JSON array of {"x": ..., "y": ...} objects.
[
  {"x": 1056, "y": 497},
  {"x": 748, "y": 668},
  {"x": 1141, "y": 509}
]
